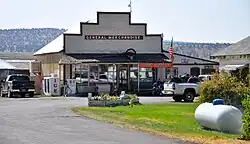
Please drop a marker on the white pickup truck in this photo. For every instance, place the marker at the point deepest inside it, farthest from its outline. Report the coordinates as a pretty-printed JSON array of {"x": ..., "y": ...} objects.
[{"x": 180, "y": 90}]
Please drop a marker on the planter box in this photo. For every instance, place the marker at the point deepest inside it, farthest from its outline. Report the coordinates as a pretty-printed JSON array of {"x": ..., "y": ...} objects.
[
  {"x": 110, "y": 103},
  {"x": 96, "y": 103}
]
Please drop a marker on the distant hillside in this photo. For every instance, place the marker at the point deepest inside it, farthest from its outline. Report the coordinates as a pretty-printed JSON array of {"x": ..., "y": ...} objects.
[
  {"x": 201, "y": 50},
  {"x": 27, "y": 40},
  {"x": 30, "y": 40}
]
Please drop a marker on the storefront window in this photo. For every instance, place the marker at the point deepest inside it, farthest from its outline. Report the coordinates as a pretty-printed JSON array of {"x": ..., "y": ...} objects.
[
  {"x": 174, "y": 72},
  {"x": 145, "y": 74}
]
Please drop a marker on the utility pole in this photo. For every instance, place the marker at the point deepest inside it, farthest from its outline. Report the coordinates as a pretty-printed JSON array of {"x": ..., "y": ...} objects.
[{"x": 130, "y": 6}]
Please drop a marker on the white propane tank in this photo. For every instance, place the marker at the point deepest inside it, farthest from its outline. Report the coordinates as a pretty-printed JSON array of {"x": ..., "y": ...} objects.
[{"x": 223, "y": 118}]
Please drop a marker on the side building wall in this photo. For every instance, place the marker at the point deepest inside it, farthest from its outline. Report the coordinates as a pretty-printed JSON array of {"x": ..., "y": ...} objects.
[{"x": 50, "y": 65}]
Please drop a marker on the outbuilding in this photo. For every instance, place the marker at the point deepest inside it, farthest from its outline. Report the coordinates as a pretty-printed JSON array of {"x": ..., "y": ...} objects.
[
  {"x": 20, "y": 60},
  {"x": 5, "y": 69},
  {"x": 235, "y": 56}
]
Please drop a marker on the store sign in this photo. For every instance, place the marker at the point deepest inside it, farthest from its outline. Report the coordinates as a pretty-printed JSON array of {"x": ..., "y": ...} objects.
[
  {"x": 113, "y": 37},
  {"x": 208, "y": 67},
  {"x": 184, "y": 61},
  {"x": 155, "y": 65}
]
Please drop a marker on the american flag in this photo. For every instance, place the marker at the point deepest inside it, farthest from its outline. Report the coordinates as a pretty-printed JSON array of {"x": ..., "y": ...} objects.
[{"x": 171, "y": 50}]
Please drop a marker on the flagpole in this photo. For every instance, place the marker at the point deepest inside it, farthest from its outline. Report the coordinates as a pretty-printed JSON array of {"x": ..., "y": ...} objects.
[{"x": 172, "y": 57}]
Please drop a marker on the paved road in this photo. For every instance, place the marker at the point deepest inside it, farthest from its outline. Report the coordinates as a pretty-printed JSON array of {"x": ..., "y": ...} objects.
[{"x": 50, "y": 121}]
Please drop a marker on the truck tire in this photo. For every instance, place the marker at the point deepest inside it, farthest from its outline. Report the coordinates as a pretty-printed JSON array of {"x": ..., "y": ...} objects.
[
  {"x": 2, "y": 95},
  {"x": 31, "y": 94},
  {"x": 22, "y": 95},
  {"x": 189, "y": 96},
  {"x": 10, "y": 94},
  {"x": 177, "y": 98}
]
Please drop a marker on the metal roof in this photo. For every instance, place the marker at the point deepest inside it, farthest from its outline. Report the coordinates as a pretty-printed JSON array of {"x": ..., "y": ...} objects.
[
  {"x": 5, "y": 65},
  {"x": 239, "y": 48},
  {"x": 20, "y": 64},
  {"x": 231, "y": 67},
  {"x": 57, "y": 44},
  {"x": 112, "y": 58},
  {"x": 17, "y": 56}
]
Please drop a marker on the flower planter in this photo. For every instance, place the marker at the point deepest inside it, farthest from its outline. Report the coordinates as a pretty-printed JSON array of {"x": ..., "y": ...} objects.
[{"x": 110, "y": 103}]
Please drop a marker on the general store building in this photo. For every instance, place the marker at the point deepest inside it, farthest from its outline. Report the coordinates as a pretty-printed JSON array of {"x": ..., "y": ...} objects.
[{"x": 113, "y": 46}]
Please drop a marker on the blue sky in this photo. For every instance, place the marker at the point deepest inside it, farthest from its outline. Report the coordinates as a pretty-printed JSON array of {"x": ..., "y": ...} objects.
[{"x": 185, "y": 20}]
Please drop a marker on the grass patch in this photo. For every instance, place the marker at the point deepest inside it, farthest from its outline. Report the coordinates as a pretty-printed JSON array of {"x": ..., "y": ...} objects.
[{"x": 175, "y": 120}]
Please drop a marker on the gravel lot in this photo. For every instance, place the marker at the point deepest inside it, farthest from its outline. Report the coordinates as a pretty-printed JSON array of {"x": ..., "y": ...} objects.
[{"x": 50, "y": 121}]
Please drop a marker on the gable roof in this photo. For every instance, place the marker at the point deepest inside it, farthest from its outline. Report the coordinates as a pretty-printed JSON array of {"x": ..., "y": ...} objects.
[
  {"x": 241, "y": 47},
  {"x": 57, "y": 44},
  {"x": 17, "y": 56},
  {"x": 5, "y": 65}
]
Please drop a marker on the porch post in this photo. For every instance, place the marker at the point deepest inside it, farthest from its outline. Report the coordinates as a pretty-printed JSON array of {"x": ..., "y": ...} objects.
[
  {"x": 88, "y": 74},
  {"x": 64, "y": 74},
  {"x": 59, "y": 73},
  {"x": 98, "y": 71},
  {"x": 80, "y": 72},
  {"x": 117, "y": 75},
  {"x": 128, "y": 78},
  {"x": 138, "y": 79},
  {"x": 113, "y": 75},
  {"x": 70, "y": 71}
]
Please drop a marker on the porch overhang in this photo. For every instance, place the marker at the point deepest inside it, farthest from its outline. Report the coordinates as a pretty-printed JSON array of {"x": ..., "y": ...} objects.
[{"x": 144, "y": 60}]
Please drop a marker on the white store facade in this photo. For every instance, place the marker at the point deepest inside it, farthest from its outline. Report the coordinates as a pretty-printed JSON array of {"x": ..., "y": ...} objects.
[{"x": 113, "y": 42}]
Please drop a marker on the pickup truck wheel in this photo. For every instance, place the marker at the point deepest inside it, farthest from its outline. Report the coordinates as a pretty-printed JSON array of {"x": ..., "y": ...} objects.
[
  {"x": 10, "y": 94},
  {"x": 189, "y": 96},
  {"x": 177, "y": 98},
  {"x": 23, "y": 95},
  {"x": 31, "y": 94},
  {"x": 2, "y": 95}
]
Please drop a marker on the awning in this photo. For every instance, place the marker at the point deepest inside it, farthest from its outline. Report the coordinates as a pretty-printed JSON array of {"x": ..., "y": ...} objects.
[
  {"x": 231, "y": 67},
  {"x": 71, "y": 60},
  {"x": 155, "y": 65},
  {"x": 113, "y": 58},
  {"x": 5, "y": 65}
]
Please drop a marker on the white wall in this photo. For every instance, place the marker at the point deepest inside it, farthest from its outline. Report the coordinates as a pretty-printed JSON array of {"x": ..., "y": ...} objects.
[
  {"x": 182, "y": 69},
  {"x": 184, "y": 64},
  {"x": 187, "y": 60},
  {"x": 112, "y": 24}
]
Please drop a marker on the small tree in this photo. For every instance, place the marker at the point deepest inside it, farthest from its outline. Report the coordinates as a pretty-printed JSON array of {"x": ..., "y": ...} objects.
[
  {"x": 246, "y": 118},
  {"x": 234, "y": 91},
  {"x": 223, "y": 86}
]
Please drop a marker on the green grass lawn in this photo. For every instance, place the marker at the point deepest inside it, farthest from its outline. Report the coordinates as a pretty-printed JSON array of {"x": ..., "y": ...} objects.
[{"x": 174, "y": 119}]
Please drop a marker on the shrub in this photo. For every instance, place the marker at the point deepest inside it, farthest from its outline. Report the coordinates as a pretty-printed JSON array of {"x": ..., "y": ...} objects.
[
  {"x": 248, "y": 76},
  {"x": 223, "y": 86},
  {"x": 246, "y": 118},
  {"x": 133, "y": 97},
  {"x": 104, "y": 97}
]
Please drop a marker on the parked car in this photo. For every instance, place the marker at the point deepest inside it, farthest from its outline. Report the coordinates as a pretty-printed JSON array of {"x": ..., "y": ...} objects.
[
  {"x": 203, "y": 78},
  {"x": 83, "y": 78},
  {"x": 182, "y": 90},
  {"x": 103, "y": 78},
  {"x": 17, "y": 84}
]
